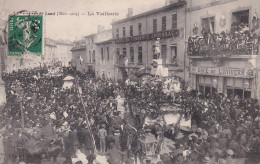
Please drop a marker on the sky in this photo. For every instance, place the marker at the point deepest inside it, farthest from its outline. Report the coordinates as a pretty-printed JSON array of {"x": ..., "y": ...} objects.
[{"x": 71, "y": 27}]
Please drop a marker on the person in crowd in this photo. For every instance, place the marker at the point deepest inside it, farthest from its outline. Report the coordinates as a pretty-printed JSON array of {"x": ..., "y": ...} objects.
[
  {"x": 102, "y": 134},
  {"x": 219, "y": 123}
]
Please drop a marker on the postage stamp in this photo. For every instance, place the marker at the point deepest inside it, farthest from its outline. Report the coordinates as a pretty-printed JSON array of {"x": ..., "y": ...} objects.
[{"x": 25, "y": 34}]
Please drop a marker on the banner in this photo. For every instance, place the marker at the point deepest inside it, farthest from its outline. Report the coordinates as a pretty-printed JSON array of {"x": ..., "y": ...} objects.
[
  {"x": 228, "y": 72},
  {"x": 151, "y": 36}
]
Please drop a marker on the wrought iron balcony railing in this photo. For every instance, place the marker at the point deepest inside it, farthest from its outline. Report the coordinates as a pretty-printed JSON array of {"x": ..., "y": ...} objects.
[{"x": 223, "y": 45}]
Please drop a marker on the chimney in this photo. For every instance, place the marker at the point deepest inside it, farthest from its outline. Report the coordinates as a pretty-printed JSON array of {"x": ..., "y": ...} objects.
[
  {"x": 169, "y": 2},
  {"x": 130, "y": 12},
  {"x": 100, "y": 28}
]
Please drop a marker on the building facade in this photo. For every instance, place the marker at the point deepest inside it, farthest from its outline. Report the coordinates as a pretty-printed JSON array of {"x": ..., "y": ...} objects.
[
  {"x": 57, "y": 51},
  {"x": 50, "y": 51},
  {"x": 105, "y": 63},
  {"x": 223, "y": 47},
  {"x": 104, "y": 45},
  {"x": 79, "y": 55},
  {"x": 63, "y": 55},
  {"x": 95, "y": 53},
  {"x": 135, "y": 37}
]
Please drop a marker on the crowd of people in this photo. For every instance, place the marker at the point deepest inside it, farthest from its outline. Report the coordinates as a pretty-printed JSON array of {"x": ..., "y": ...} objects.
[
  {"x": 239, "y": 40},
  {"x": 108, "y": 116}
]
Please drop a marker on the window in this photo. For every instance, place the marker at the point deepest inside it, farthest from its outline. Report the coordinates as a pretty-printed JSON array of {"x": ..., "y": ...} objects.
[
  {"x": 118, "y": 52},
  {"x": 117, "y": 33},
  {"x": 93, "y": 56},
  {"x": 238, "y": 87},
  {"x": 132, "y": 57},
  {"x": 140, "y": 28},
  {"x": 140, "y": 55},
  {"x": 124, "y": 52},
  {"x": 123, "y": 32},
  {"x": 164, "y": 23},
  {"x": 208, "y": 25},
  {"x": 155, "y": 25},
  {"x": 173, "y": 53},
  {"x": 240, "y": 18},
  {"x": 131, "y": 30},
  {"x": 205, "y": 85},
  {"x": 164, "y": 53},
  {"x": 174, "y": 21},
  {"x": 107, "y": 53},
  {"x": 90, "y": 56},
  {"x": 102, "y": 54}
]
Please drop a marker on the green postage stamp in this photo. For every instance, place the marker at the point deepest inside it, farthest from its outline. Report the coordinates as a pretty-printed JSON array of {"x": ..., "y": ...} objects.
[{"x": 25, "y": 34}]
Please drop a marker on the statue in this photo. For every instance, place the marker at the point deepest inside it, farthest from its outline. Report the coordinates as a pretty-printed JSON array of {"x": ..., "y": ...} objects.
[{"x": 157, "y": 49}]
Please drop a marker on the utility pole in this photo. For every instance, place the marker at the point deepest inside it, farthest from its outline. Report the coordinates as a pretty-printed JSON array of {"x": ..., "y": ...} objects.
[{"x": 20, "y": 91}]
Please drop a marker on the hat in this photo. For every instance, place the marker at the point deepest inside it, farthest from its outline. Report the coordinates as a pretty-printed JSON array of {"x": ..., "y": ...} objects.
[
  {"x": 193, "y": 155},
  {"x": 179, "y": 159},
  {"x": 216, "y": 145},
  {"x": 91, "y": 157},
  {"x": 199, "y": 130},
  {"x": 206, "y": 144},
  {"x": 230, "y": 152},
  {"x": 215, "y": 136},
  {"x": 206, "y": 160},
  {"x": 221, "y": 161}
]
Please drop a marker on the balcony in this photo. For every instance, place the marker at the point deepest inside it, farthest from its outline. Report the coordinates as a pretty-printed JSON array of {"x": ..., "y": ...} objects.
[{"x": 231, "y": 45}]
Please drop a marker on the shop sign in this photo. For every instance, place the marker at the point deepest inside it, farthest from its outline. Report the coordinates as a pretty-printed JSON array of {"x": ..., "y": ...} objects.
[
  {"x": 228, "y": 72},
  {"x": 151, "y": 36}
]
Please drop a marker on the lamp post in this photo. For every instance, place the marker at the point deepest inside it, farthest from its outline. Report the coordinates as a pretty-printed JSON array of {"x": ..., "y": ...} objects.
[{"x": 20, "y": 91}]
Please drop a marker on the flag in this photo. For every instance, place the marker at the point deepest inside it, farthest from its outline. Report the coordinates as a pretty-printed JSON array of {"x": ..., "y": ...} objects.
[{"x": 81, "y": 59}]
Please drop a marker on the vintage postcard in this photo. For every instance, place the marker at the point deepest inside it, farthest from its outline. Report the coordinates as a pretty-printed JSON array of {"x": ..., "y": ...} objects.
[{"x": 129, "y": 82}]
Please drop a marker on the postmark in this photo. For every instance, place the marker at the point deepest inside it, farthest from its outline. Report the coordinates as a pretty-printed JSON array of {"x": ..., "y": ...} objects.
[{"x": 25, "y": 34}]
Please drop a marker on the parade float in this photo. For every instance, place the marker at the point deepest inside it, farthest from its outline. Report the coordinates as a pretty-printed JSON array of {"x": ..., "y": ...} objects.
[{"x": 68, "y": 82}]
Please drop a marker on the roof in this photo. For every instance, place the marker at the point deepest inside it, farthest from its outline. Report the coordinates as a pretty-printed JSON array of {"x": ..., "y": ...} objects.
[
  {"x": 52, "y": 42},
  {"x": 174, "y": 5},
  {"x": 64, "y": 42},
  {"x": 79, "y": 41},
  {"x": 78, "y": 48},
  {"x": 104, "y": 42},
  {"x": 89, "y": 35},
  {"x": 97, "y": 33}
]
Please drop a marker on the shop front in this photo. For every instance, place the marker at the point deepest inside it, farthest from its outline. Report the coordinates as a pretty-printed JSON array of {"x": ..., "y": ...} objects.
[{"x": 233, "y": 82}]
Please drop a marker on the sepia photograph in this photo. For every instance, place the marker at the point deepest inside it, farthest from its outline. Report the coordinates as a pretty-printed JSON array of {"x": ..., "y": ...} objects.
[{"x": 129, "y": 82}]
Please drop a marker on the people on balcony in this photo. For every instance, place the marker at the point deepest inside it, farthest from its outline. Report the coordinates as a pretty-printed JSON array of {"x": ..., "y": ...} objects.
[{"x": 238, "y": 41}]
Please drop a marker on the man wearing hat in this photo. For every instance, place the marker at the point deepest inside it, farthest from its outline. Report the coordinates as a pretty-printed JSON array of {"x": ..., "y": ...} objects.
[
  {"x": 192, "y": 158},
  {"x": 179, "y": 159},
  {"x": 229, "y": 158},
  {"x": 206, "y": 159}
]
